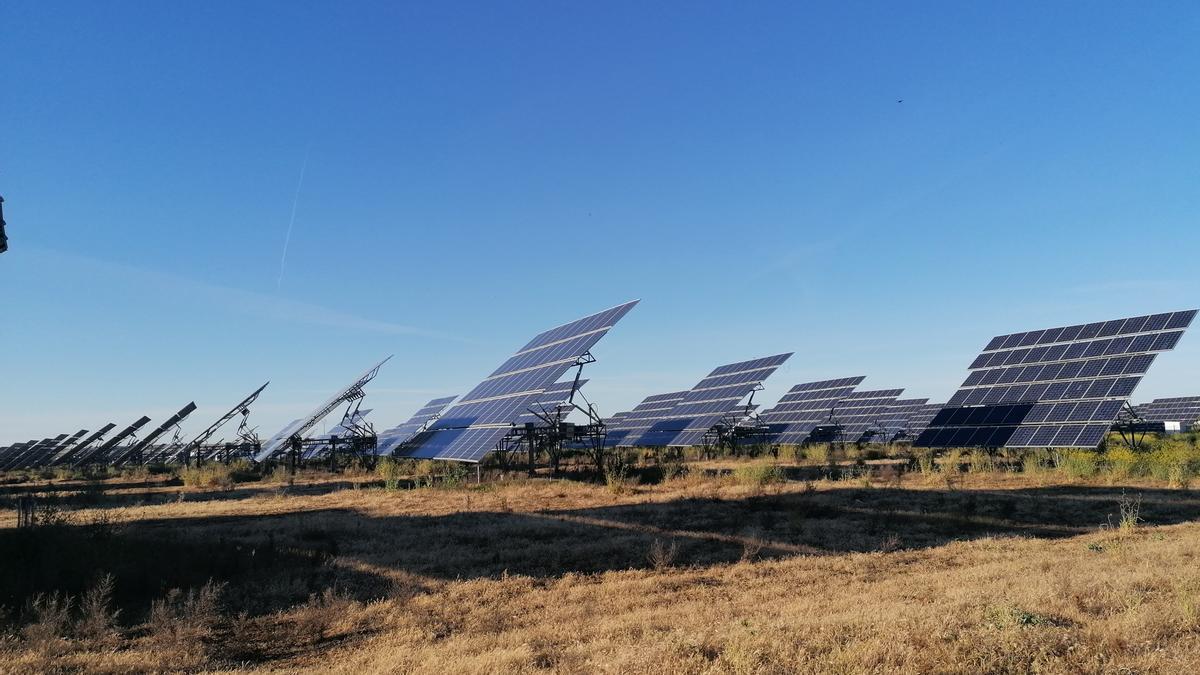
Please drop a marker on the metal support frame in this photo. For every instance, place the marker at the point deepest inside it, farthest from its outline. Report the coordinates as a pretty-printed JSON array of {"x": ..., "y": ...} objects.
[{"x": 1129, "y": 426}]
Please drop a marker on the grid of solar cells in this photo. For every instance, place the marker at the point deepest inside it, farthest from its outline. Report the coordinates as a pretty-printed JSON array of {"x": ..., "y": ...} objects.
[
  {"x": 387, "y": 440},
  {"x": 806, "y": 406},
  {"x": 643, "y": 416},
  {"x": 920, "y": 419},
  {"x": 465, "y": 432},
  {"x": 896, "y": 419},
  {"x": 1059, "y": 387},
  {"x": 713, "y": 397},
  {"x": 548, "y": 402},
  {"x": 859, "y": 411},
  {"x": 1183, "y": 409}
]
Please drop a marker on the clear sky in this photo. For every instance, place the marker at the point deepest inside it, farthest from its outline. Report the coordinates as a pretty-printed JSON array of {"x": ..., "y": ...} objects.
[{"x": 474, "y": 173}]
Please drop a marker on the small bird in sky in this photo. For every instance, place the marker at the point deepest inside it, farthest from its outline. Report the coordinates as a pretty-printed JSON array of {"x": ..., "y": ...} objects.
[{"x": 900, "y": 100}]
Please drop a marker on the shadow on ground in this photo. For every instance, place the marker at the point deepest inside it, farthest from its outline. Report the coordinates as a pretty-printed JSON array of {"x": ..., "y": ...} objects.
[{"x": 274, "y": 561}]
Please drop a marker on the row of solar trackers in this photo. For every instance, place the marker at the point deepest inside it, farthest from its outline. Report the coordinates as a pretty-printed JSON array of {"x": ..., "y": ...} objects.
[{"x": 1047, "y": 387}]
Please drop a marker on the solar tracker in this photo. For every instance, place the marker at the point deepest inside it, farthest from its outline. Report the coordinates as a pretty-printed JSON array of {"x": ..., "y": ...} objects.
[
  {"x": 1183, "y": 409},
  {"x": 66, "y": 455},
  {"x": 32, "y": 453},
  {"x": 895, "y": 420},
  {"x": 390, "y": 438},
  {"x": 352, "y": 392},
  {"x": 14, "y": 450},
  {"x": 472, "y": 427},
  {"x": 47, "y": 450},
  {"x": 805, "y": 407},
  {"x": 550, "y": 402},
  {"x": 1058, "y": 387},
  {"x": 102, "y": 451},
  {"x": 704, "y": 405},
  {"x": 855, "y": 415},
  {"x": 242, "y": 408},
  {"x": 348, "y": 427},
  {"x": 173, "y": 421},
  {"x": 920, "y": 420},
  {"x": 644, "y": 415}
]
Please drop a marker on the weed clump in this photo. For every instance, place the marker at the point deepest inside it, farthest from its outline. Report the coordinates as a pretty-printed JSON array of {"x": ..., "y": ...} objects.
[{"x": 758, "y": 475}]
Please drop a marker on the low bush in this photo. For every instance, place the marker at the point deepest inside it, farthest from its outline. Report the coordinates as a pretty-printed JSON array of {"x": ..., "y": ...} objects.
[
  {"x": 758, "y": 475},
  {"x": 1079, "y": 463}
]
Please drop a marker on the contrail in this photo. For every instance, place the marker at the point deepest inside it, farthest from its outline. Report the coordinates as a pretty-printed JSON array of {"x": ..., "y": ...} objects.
[{"x": 292, "y": 221}]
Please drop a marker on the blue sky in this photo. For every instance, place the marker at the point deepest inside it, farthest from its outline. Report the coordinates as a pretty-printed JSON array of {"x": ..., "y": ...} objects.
[{"x": 474, "y": 173}]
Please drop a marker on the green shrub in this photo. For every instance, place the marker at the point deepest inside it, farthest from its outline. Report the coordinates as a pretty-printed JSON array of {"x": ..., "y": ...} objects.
[
  {"x": 391, "y": 470},
  {"x": 1079, "y": 463},
  {"x": 758, "y": 475}
]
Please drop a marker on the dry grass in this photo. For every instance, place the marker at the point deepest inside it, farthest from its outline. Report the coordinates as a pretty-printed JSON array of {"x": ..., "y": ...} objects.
[{"x": 996, "y": 572}]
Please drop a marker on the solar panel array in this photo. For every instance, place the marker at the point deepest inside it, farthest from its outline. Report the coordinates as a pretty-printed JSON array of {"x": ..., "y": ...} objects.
[
  {"x": 279, "y": 442},
  {"x": 896, "y": 419},
  {"x": 473, "y": 426},
  {"x": 1183, "y": 409},
  {"x": 390, "y": 439},
  {"x": 856, "y": 413},
  {"x": 805, "y": 407},
  {"x": 630, "y": 426},
  {"x": 1059, "y": 387},
  {"x": 920, "y": 420},
  {"x": 549, "y": 403},
  {"x": 706, "y": 404}
]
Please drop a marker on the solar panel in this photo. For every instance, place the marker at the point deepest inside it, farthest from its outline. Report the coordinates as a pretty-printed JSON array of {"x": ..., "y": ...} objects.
[
  {"x": 1182, "y": 409},
  {"x": 1059, "y": 387},
  {"x": 102, "y": 451},
  {"x": 644, "y": 415},
  {"x": 805, "y": 407},
  {"x": 895, "y": 420},
  {"x": 390, "y": 438},
  {"x": 715, "y": 396},
  {"x": 920, "y": 420},
  {"x": 243, "y": 408},
  {"x": 352, "y": 392},
  {"x": 855, "y": 414},
  {"x": 550, "y": 402},
  {"x": 163, "y": 428},
  {"x": 473, "y": 426},
  {"x": 67, "y": 454}
]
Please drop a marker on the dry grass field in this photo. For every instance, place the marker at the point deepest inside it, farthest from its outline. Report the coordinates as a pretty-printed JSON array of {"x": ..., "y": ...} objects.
[{"x": 988, "y": 571}]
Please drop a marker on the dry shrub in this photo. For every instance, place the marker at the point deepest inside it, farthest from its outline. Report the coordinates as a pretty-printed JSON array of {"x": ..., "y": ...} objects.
[
  {"x": 662, "y": 555},
  {"x": 208, "y": 476},
  {"x": 49, "y": 621},
  {"x": 316, "y": 617},
  {"x": 183, "y": 619},
  {"x": 981, "y": 461},
  {"x": 752, "y": 545},
  {"x": 98, "y": 623}
]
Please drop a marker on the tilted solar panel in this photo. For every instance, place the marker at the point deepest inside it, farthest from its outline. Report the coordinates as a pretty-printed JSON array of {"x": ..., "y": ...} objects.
[
  {"x": 351, "y": 392},
  {"x": 1059, "y": 387},
  {"x": 895, "y": 421},
  {"x": 920, "y": 420},
  {"x": 548, "y": 402},
  {"x": 805, "y": 407},
  {"x": 472, "y": 427},
  {"x": 703, "y": 406},
  {"x": 644, "y": 415},
  {"x": 1182, "y": 409},
  {"x": 855, "y": 414},
  {"x": 391, "y": 438}
]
